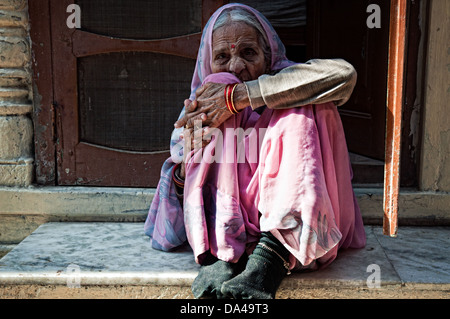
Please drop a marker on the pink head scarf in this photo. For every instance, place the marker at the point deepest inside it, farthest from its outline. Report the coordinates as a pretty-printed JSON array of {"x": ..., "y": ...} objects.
[
  {"x": 204, "y": 58},
  {"x": 203, "y": 65}
]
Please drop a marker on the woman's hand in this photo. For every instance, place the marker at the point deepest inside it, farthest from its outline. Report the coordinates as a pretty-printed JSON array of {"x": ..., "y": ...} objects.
[
  {"x": 210, "y": 108},
  {"x": 192, "y": 140}
]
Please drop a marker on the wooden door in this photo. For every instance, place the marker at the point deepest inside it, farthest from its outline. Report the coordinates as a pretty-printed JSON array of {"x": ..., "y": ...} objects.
[
  {"x": 119, "y": 84},
  {"x": 338, "y": 29}
]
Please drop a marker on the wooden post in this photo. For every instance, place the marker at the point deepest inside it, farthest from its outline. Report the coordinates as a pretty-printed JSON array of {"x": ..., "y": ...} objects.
[{"x": 397, "y": 35}]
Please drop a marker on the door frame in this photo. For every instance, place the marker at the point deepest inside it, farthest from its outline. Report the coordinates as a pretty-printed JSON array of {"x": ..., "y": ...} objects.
[
  {"x": 42, "y": 73},
  {"x": 46, "y": 116}
]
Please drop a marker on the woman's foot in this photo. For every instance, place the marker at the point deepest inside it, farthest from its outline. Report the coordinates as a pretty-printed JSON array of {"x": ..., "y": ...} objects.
[
  {"x": 208, "y": 283},
  {"x": 265, "y": 269}
]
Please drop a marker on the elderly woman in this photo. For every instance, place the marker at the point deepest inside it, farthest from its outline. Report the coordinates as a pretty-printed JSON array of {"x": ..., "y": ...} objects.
[{"x": 259, "y": 179}]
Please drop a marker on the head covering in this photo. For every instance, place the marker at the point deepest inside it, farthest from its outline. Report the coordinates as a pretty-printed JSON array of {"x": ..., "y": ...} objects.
[
  {"x": 204, "y": 58},
  {"x": 203, "y": 65}
]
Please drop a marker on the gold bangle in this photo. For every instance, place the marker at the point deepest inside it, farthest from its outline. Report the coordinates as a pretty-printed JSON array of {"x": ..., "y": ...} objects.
[{"x": 232, "y": 94}]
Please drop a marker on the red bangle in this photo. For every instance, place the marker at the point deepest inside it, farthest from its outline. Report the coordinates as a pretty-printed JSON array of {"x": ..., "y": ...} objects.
[
  {"x": 229, "y": 92},
  {"x": 226, "y": 99}
]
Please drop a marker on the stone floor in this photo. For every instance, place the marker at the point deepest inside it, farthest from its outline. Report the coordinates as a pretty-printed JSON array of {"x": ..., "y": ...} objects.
[{"x": 95, "y": 255}]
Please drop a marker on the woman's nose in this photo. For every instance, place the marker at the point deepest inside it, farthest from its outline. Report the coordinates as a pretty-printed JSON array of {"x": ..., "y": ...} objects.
[{"x": 236, "y": 65}]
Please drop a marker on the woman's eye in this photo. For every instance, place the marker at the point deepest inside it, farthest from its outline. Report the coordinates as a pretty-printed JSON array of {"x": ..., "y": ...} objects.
[
  {"x": 249, "y": 53},
  {"x": 220, "y": 56}
]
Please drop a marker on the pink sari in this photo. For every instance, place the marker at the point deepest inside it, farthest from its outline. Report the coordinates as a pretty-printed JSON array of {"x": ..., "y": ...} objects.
[{"x": 287, "y": 172}]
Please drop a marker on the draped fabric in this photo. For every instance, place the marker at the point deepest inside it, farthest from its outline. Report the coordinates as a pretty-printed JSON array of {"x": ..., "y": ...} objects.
[{"x": 284, "y": 171}]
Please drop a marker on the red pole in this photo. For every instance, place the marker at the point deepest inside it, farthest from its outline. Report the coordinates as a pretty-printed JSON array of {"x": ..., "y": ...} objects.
[{"x": 397, "y": 35}]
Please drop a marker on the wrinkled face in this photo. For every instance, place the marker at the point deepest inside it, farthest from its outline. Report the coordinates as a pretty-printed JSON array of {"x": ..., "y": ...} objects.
[{"x": 236, "y": 49}]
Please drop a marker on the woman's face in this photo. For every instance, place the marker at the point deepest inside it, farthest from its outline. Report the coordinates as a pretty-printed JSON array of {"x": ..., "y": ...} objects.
[{"x": 236, "y": 49}]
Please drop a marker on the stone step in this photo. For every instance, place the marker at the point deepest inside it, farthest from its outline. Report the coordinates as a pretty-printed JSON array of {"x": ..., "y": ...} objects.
[
  {"x": 23, "y": 209},
  {"x": 14, "y": 77},
  {"x": 14, "y": 108},
  {"x": 13, "y": 93},
  {"x": 110, "y": 260}
]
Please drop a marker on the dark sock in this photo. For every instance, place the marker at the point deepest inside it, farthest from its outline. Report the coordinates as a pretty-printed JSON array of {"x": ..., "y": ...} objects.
[
  {"x": 213, "y": 274},
  {"x": 263, "y": 273}
]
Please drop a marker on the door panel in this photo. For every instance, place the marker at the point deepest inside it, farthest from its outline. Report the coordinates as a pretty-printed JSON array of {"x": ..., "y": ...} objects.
[
  {"x": 338, "y": 29},
  {"x": 117, "y": 94},
  {"x": 120, "y": 82},
  {"x": 141, "y": 19}
]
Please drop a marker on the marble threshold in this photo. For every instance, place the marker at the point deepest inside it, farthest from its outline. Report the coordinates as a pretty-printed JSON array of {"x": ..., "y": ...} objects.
[{"x": 118, "y": 253}]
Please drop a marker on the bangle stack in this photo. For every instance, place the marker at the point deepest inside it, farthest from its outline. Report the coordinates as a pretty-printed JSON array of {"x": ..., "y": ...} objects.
[
  {"x": 176, "y": 179},
  {"x": 229, "y": 92}
]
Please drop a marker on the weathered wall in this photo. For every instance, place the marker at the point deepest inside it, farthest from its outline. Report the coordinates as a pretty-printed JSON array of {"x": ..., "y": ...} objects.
[
  {"x": 435, "y": 163},
  {"x": 16, "y": 127}
]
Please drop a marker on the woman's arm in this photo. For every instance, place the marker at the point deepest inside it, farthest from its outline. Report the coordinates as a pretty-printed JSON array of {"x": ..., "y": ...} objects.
[{"x": 314, "y": 82}]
